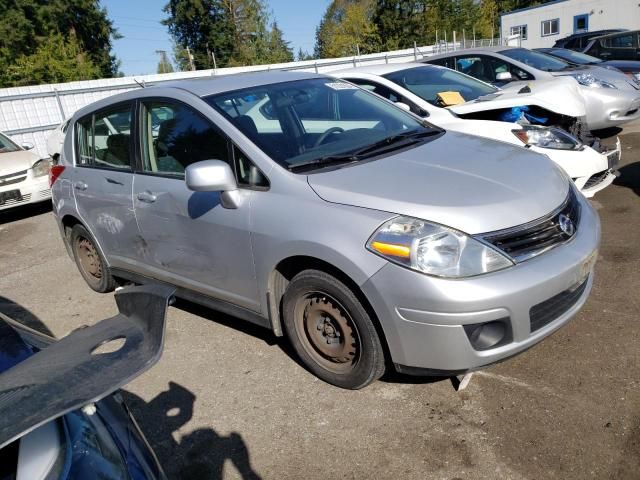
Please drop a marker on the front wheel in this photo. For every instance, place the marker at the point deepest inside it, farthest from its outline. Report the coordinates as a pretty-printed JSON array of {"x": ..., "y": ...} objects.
[{"x": 331, "y": 331}]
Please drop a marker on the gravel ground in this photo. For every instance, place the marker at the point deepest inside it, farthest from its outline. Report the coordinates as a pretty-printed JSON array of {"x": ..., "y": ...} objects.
[{"x": 227, "y": 400}]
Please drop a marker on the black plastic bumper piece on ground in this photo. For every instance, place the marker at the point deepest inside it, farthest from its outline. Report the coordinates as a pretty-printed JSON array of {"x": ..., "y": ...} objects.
[{"x": 72, "y": 372}]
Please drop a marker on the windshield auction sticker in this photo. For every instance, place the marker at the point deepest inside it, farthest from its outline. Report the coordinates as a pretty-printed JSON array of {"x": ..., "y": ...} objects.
[{"x": 341, "y": 86}]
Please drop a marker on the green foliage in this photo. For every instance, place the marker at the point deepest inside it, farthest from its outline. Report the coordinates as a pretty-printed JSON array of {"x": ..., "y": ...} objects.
[
  {"x": 28, "y": 26},
  {"x": 236, "y": 31},
  {"x": 57, "y": 60},
  {"x": 346, "y": 27}
]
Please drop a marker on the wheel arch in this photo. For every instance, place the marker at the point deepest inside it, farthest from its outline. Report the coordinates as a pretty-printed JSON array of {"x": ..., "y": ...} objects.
[{"x": 289, "y": 267}]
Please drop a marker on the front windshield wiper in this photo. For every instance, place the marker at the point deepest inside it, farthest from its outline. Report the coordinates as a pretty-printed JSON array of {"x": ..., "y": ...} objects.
[{"x": 360, "y": 154}]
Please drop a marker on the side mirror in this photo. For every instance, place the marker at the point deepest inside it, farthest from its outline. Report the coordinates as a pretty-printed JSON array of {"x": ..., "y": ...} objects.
[
  {"x": 213, "y": 176},
  {"x": 27, "y": 145},
  {"x": 403, "y": 106},
  {"x": 504, "y": 77}
]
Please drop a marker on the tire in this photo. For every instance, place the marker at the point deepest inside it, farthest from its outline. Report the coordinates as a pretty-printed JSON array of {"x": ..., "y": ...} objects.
[
  {"x": 90, "y": 261},
  {"x": 331, "y": 331}
]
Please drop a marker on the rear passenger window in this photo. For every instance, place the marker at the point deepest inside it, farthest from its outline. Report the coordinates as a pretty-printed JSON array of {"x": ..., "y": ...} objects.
[
  {"x": 175, "y": 136},
  {"x": 104, "y": 139}
]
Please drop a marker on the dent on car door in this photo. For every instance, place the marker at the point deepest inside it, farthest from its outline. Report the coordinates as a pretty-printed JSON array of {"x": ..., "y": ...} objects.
[
  {"x": 102, "y": 181},
  {"x": 188, "y": 238}
]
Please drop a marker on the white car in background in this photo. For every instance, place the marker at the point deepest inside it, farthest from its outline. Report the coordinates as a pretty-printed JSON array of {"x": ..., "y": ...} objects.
[
  {"x": 420, "y": 88},
  {"x": 24, "y": 176},
  {"x": 56, "y": 139}
]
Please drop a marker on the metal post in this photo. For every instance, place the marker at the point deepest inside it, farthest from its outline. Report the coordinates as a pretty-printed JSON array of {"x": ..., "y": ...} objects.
[
  {"x": 386, "y": 58},
  {"x": 446, "y": 45},
  {"x": 474, "y": 37},
  {"x": 315, "y": 65},
  {"x": 464, "y": 39},
  {"x": 62, "y": 115},
  {"x": 454, "y": 40}
]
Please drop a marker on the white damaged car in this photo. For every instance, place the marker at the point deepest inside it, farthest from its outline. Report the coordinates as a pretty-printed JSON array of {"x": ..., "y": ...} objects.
[{"x": 457, "y": 102}]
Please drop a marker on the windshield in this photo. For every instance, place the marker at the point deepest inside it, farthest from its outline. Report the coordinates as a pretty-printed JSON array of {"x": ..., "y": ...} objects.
[
  {"x": 574, "y": 57},
  {"x": 537, "y": 60},
  {"x": 428, "y": 82},
  {"x": 7, "y": 145},
  {"x": 305, "y": 121}
]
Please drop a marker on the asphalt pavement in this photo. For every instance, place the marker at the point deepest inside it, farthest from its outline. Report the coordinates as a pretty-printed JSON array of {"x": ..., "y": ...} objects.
[{"x": 228, "y": 400}]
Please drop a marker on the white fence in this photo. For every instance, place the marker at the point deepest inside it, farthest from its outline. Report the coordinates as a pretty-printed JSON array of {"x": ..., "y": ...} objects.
[{"x": 28, "y": 114}]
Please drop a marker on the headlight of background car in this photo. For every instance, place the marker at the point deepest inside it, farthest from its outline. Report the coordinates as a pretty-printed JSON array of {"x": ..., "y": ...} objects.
[
  {"x": 547, "y": 137},
  {"x": 589, "y": 80},
  {"x": 41, "y": 167},
  {"x": 434, "y": 249}
]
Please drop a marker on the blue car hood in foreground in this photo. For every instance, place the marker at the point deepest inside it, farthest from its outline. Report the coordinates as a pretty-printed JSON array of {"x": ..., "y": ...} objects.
[
  {"x": 73, "y": 372},
  {"x": 470, "y": 183}
]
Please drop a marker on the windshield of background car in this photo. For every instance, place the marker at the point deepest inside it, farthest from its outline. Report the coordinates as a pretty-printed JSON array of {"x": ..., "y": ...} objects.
[
  {"x": 428, "y": 82},
  {"x": 575, "y": 57},
  {"x": 537, "y": 60},
  {"x": 301, "y": 121},
  {"x": 7, "y": 145}
]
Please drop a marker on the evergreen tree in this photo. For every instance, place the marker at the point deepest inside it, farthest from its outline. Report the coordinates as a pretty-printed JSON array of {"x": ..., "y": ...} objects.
[
  {"x": 347, "y": 26},
  {"x": 27, "y": 26},
  {"x": 278, "y": 49},
  {"x": 57, "y": 60}
]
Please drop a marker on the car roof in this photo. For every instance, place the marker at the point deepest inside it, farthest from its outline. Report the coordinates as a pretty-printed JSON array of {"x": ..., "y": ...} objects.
[
  {"x": 380, "y": 69},
  {"x": 607, "y": 31},
  {"x": 205, "y": 86},
  {"x": 623, "y": 32},
  {"x": 495, "y": 49}
]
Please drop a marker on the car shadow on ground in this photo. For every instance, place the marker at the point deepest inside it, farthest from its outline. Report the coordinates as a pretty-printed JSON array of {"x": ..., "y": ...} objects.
[
  {"x": 391, "y": 376},
  {"x": 25, "y": 211},
  {"x": 21, "y": 315},
  {"x": 201, "y": 453},
  {"x": 629, "y": 177}
]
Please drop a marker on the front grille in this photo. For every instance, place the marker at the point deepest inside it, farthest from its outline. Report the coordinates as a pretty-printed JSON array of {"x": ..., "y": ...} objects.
[
  {"x": 531, "y": 239},
  {"x": 546, "y": 312},
  {"x": 596, "y": 178},
  {"x": 12, "y": 178},
  {"x": 14, "y": 174}
]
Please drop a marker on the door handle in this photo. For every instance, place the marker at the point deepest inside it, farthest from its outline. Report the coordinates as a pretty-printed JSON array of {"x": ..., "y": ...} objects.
[
  {"x": 115, "y": 182},
  {"x": 146, "y": 197},
  {"x": 80, "y": 186}
]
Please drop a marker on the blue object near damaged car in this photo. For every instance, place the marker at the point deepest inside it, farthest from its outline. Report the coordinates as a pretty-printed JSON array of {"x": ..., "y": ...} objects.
[
  {"x": 517, "y": 114},
  {"x": 59, "y": 416}
]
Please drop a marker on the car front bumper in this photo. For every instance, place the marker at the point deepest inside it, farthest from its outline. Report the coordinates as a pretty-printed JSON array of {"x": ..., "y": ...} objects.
[
  {"x": 31, "y": 190},
  {"x": 608, "y": 108},
  {"x": 424, "y": 317}
]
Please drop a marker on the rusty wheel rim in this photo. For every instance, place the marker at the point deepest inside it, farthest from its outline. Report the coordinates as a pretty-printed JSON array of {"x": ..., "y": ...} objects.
[
  {"x": 89, "y": 258},
  {"x": 327, "y": 332}
]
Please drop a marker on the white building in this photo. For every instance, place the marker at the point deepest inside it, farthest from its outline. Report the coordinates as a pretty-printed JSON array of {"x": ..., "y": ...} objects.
[{"x": 542, "y": 25}]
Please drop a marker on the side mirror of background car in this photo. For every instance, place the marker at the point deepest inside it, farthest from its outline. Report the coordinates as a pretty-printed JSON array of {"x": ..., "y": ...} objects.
[
  {"x": 27, "y": 145},
  {"x": 213, "y": 176},
  {"x": 504, "y": 77},
  {"x": 403, "y": 106}
]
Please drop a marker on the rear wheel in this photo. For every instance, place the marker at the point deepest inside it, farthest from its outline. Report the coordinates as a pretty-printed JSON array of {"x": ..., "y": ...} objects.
[
  {"x": 90, "y": 262},
  {"x": 331, "y": 331}
]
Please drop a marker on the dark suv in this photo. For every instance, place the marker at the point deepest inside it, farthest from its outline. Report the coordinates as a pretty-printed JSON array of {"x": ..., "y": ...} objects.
[
  {"x": 578, "y": 41},
  {"x": 616, "y": 46}
]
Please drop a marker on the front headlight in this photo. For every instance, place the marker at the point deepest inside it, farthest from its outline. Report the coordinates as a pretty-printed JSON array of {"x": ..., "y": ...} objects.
[
  {"x": 435, "y": 250},
  {"x": 41, "y": 167},
  {"x": 588, "y": 80},
  {"x": 547, "y": 137}
]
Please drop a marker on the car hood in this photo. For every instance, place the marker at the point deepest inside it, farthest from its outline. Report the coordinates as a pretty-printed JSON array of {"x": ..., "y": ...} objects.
[
  {"x": 470, "y": 183},
  {"x": 624, "y": 65},
  {"x": 619, "y": 79},
  {"x": 42, "y": 379},
  {"x": 18, "y": 161},
  {"x": 562, "y": 97}
]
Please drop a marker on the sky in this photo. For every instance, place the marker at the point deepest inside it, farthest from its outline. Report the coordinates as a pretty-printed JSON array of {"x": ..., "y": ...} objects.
[{"x": 139, "y": 22}]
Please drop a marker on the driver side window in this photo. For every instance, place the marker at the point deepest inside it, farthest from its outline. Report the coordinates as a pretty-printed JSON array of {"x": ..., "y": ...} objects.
[{"x": 174, "y": 136}]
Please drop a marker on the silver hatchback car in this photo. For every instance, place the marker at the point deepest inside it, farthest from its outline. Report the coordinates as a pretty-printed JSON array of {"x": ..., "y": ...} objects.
[{"x": 316, "y": 209}]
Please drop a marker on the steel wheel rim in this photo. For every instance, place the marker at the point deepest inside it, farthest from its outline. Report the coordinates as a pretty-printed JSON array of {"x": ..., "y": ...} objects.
[
  {"x": 327, "y": 332},
  {"x": 89, "y": 258}
]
